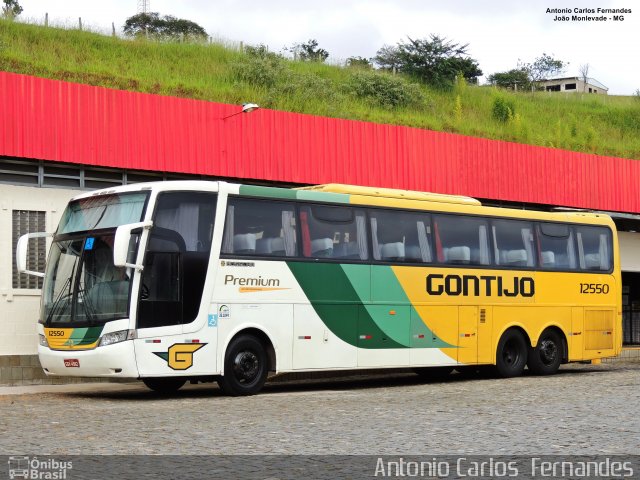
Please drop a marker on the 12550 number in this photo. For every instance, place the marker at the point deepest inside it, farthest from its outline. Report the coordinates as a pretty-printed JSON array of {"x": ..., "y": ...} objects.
[{"x": 594, "y": 288}]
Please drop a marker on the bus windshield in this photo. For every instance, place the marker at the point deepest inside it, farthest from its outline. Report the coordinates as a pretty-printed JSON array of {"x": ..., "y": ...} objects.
[
  {"x": 82, "y": 287},
  {"x": 103, "y": 211}
]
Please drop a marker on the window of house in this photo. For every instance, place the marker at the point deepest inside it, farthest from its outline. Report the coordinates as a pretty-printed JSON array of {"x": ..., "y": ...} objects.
[
  {"x": 23, "y": 222},
  {"x": 570, "y": 86}
]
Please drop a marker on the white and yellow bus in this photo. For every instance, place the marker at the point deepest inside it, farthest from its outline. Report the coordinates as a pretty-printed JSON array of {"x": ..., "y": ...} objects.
[{"x": 202, "y": 281}]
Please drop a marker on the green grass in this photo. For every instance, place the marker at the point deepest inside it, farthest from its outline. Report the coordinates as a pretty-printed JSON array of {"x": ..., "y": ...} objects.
[{"x": 606, "y": 125}]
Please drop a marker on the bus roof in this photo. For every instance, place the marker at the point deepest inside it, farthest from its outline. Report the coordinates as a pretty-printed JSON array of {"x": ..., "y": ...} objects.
[{"x": 393, "y": 193}]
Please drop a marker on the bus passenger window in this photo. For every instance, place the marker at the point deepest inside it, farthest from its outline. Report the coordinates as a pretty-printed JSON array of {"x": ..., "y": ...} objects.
[
  {"x": 399, "y": 236},
  {"x": 262, "y": 228},
  {"x": 513, "y": 243},
  {"x": 461, "y": 239},
  {"x": 557, "y": 246},
  {"x": 333, "y": 232},
  {"x": 594, "y": 248}
]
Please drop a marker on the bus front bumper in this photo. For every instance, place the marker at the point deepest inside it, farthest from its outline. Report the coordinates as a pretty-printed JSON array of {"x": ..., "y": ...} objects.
[{"x": 117, "y": 360}]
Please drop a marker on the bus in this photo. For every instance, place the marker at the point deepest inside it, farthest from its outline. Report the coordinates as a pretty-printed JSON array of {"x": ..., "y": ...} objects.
[{"x": 200, "y": 281}]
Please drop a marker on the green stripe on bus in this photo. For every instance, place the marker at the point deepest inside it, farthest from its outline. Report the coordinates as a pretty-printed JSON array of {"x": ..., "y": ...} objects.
[
  {"x": 288, "y": 194},
  {"x": 268, "y": 192},
  {"x": 387, "y": 288},
  {"x": 339, "y": 305}
]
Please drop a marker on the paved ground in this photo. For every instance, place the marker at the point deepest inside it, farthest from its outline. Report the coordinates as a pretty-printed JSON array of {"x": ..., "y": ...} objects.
[{"x": 583, "y": 410}]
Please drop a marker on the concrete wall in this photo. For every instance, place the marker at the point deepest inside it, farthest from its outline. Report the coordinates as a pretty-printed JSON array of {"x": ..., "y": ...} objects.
[{"x": 19, "y": 307}]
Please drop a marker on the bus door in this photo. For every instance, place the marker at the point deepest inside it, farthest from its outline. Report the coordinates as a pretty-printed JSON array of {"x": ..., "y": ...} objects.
[{"x": 171, "y": 288}]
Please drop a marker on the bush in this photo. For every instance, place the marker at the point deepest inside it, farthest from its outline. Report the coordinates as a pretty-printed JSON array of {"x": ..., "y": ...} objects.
[
  {"x": 258, "y": 69},
  {"x": 304, "y": 88},
  {"x": 503, "y": 110},
  {"x": 384, "y": 90}
]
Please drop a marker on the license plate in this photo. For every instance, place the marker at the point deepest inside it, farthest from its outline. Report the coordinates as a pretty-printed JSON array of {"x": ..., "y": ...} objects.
[{"x": 71, "y": 362}]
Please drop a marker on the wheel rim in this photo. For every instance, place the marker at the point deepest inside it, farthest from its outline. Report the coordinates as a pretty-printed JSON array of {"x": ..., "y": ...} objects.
[
  {"x": 246, "y": 366},
  {"x": 548, "y": 351},
  {"x": 511, "y": 353}
]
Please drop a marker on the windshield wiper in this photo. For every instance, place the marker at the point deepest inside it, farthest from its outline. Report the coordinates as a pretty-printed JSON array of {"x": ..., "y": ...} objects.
[
  {"x": 64, "y": 295},
  {"x": 89, "y": 309}
]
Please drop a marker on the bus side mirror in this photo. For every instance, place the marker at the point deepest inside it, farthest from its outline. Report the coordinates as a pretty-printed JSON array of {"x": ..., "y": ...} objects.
[
  {"x": 122, "y": 241},
  {"x": 22, "y": 251}
]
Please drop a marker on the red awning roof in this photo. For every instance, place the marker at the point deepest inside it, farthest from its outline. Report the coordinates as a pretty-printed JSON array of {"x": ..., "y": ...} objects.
[{"x": 67, "y": 122}]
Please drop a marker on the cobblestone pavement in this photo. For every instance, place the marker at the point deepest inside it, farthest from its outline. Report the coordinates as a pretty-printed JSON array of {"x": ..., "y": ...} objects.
[{"x": 583, "y": 410}]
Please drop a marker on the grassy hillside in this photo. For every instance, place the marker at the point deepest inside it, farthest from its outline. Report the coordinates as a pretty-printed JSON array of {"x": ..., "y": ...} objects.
[{"x": 605, "y": 125}]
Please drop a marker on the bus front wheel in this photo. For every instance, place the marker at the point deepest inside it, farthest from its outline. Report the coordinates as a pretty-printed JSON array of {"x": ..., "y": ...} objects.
[
  {"x": 511, "y": 355},
  {"x": 545, "y": 359},
  {"x": 245, "y": 367},
  {"x": 164, "y": 385}
]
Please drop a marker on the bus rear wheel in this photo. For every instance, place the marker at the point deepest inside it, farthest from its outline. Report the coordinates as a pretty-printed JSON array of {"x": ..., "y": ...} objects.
[
  {"x": 545, "y": 359},
  {"x": 511, "y": 355},
  {"x": 245, "y": 367},
  {"x": 164, "y": 385}
]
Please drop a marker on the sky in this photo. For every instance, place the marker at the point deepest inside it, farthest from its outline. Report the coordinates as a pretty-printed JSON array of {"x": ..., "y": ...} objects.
[{"x": 499, "y": 33}]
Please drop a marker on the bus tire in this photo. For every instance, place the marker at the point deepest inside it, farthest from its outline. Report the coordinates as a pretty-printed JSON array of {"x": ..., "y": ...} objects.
[
  {"x": 245, "y": 367},
  {"x": 511, "y": 355},
  {"x": 433, "y": 373},
  {"x": 164, "y": 385},
  {"x": 545, "y": 359}
]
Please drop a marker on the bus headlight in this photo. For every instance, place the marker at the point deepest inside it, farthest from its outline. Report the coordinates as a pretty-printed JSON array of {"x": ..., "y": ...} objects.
[
  {"x": 43, "y": 340},
  {"x": 117, "y": 337}
]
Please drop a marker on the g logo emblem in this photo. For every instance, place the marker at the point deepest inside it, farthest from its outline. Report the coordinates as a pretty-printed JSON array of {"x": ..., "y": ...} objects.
[{"x": 180, "y": 355}]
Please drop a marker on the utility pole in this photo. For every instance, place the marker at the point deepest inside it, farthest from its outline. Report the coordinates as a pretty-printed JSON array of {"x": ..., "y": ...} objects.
[{"x": 143, "y": 6}]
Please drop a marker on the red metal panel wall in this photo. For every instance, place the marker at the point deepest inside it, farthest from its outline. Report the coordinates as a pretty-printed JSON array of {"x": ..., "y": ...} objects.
[{"x": 60, "y": 121}]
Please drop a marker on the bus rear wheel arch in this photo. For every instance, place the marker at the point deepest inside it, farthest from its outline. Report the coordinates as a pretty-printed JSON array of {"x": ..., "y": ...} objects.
[
  {"x": 548, "y": 354},
  {"x": 512, "y": 353},
  {"x": 247, "y": 362}
]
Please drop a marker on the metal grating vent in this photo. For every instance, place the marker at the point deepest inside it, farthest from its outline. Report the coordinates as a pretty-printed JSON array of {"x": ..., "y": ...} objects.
[
  {"x": 28, "y": 221},
  {"x": 483, "y": 315}
]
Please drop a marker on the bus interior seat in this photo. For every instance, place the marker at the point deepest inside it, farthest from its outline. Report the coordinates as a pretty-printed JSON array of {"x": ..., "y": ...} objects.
[
  {"x": 548, "y": 258},
  {"x": 270, "y": 246},
  {"x": 322, "y": 247},
  {"x": 348, "y": 250},
  {"x": 244, "y": 243},
  {"x": 460, "y": 254},
  {"x": 516, "y": 258},
  {"x": 392, "y": 251},
  {"x": 592, "y": 261}
]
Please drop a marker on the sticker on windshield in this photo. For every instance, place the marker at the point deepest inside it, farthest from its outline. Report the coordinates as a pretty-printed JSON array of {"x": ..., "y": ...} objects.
[{"x": 88, "y": 244}]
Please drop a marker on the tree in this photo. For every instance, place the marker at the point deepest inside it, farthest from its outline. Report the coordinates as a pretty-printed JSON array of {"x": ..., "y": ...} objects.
[
  {"x": 516, "y": 78},
  {"x": 434, "y": 60},
  {"x": 309, "y": 51},
  {"x": 543, "y": 67},
  {"x": 359, "y": 62},
  {"x": 388, "y": 58},
  {"x": 168, "y": 27},
  {"x": 11, "y": 9},
  {"x": 584, "y": 75}
]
